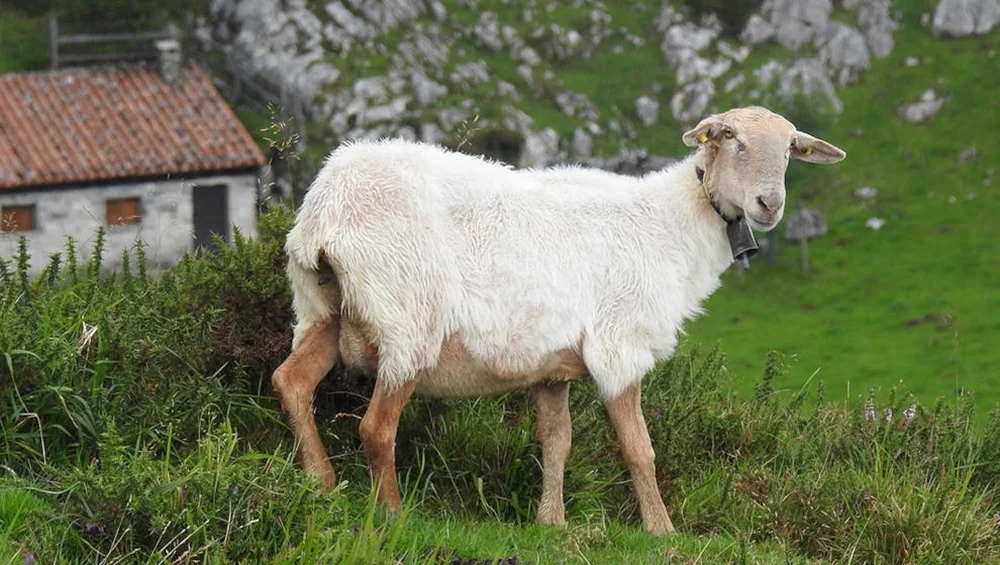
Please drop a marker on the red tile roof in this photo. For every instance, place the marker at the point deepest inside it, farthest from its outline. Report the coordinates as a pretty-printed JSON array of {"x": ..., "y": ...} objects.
[{"x": 83, "y": 125}]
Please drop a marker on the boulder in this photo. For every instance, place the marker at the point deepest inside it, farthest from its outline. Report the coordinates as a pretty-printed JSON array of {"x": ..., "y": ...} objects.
[
  {"x": 962, "y": 18},
  {"x": 426, "y": 90},
  {"x": 529, "y": 57},
  {"x": 539, "y": 149},
  {"x": 876, "y": 23},
  {"x": 797, "y": 22},
  {"x": 757, "y": 31},
  {"x": 690, "y": 102},
  {"x": 486, "y": 32},
  {"x": 647, "y": 109},
  {"x": 845, "y": 51}
]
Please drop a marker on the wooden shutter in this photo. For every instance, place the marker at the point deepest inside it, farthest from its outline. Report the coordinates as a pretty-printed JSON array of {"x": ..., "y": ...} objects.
[
  {"x": 123, "y": 211},
  {"x": 17, "y": 218}
]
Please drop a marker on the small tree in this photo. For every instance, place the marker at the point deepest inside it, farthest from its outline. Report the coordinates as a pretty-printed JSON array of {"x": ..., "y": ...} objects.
[{"x": 803, "y": 225}]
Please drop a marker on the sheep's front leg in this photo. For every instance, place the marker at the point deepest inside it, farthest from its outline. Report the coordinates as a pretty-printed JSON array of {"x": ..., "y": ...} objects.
[
  {"x": 295, "y": 382},
  {"x": 633, "y": 438},
  {"x": 378, "y": 432},
  {"x": 555, "y": 433}
]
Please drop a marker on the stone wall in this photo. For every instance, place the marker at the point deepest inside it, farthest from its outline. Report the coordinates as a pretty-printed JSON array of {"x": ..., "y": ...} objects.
[{"x": 166, "y": 226}]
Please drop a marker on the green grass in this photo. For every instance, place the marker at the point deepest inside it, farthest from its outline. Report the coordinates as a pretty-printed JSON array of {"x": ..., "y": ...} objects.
[{"x": 916, "y": 301}]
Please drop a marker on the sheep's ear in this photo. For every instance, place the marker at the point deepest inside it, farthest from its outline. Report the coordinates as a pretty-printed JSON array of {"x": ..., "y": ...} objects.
[
  {"x": 709, "y": 128},
  {"x": 813, "y": 150}
]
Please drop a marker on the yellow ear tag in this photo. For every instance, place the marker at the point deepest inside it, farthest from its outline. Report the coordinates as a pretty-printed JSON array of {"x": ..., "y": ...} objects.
[
  {"x": 808, "y": 150},
  {"x": 702, "y": 138}
]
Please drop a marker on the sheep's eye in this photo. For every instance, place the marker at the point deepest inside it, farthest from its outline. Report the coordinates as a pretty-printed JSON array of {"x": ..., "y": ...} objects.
[{"x": 727, "y": 133}]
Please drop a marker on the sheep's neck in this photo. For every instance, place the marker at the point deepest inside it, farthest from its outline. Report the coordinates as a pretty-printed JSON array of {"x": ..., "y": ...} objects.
[{"x": 741, "y": 240}]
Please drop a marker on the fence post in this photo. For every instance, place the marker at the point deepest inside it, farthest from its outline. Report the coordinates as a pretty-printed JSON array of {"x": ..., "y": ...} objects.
[{"x": 53, "y": 42}]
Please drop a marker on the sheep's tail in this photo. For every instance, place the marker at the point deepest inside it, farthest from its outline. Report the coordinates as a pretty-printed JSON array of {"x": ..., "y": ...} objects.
[{"x": 316, "y": 293}]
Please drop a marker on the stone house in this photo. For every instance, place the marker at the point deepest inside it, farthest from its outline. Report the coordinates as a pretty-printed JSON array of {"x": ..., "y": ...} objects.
[{"x": 148, "y": 151}]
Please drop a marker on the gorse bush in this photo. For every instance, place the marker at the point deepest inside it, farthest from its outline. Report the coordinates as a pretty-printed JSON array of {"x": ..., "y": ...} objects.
[{"x": 138, "y": 423}]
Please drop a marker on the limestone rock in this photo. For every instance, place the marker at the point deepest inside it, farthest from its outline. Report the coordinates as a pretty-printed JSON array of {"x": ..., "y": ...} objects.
[
  {"x": 962, "y": 18},
  {"x": 810, "y": 78},
  {"x": 876, "y": 23},
  {"x": 508, "y": 90},
  {"x": 736, "y": 54},
  {"x": 430, "y": 133},
  {"x": 487, "y": 31},
  {"x": 690, "y": 102},
  {"x": 647, "y": 109},
  {"x": 797, "y": 22},
  {"x": 427, "y": 90},
  {"x": 734, "y": 83},
  {"x": 470, "y": 74},
  {"x": 583, "y": 144},
  {"x": 576, "y": 105},
  {"x": 923, "y": 109},
  {"x": 845, "y": 51},
  {"x": 539, "y": 149},
  {"x": 757, "y": 30},
  {"x": 557, "y": 44},
  {"x": 529, "y": 57}
]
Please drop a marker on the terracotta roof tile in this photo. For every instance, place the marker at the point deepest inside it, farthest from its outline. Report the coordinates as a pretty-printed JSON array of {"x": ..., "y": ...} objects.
[{"x": 83, "y": 125}]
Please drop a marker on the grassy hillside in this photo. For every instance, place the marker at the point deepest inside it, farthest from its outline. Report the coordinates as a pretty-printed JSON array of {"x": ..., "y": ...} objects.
[
  {"x": 914, "y": 302},
  {"x": 137, "y": 422},
  {"x": 918, "y": 301}
]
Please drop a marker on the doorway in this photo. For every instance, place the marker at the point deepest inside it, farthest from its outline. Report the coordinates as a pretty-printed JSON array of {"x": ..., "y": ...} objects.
[{"x": 211, "y": 215}]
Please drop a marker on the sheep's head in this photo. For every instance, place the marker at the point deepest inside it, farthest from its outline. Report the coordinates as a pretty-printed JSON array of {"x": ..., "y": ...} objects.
[{"x": 745, "y": 153}]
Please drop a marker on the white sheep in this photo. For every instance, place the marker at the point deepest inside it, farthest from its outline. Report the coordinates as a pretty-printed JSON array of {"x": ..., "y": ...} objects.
[{"x": 449, "y": 275}]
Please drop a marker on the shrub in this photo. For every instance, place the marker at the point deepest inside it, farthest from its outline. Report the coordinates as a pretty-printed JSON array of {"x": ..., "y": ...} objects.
[
  {"x": 733, "y": 14},
  {"x": 140, "y": 402}
]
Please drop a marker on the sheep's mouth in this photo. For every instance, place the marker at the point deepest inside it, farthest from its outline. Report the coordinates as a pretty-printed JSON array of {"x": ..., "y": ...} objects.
[{"x": 764, "y": 226}]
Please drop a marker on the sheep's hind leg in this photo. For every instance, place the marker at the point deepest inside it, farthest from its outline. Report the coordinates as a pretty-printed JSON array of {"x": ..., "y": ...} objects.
[
  {"x": 555, "y": 433},
  {"x": 633, "y": 438},
  {"x": 295, "y": 382},
  {"x": 378, "y": 432}
]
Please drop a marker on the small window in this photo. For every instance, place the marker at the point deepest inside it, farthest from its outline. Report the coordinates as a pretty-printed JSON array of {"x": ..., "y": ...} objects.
[
  {"x": 123, "y": 211},
  {"x": 17, "y": 218}
]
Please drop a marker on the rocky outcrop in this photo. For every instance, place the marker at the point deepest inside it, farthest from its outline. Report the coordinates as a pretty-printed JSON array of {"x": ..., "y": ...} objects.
[
  {"x": 404, "y": 63},
  {"x": 962, "y": 18},
  {"x": 797, "y": 22},
  {"x": 875, "y": 21},
  {"x": 844, "y": 51}
]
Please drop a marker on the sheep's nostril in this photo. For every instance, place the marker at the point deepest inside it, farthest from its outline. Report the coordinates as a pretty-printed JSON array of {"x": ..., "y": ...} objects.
[{"x": 762, "y": 204}]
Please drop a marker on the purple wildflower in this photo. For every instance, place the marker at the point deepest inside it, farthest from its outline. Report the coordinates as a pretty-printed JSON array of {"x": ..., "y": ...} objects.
[
  {"x": 910, "y": 413},
  {"x": 656, "y": 413},
  {"x": 29, "y": 557},
  {"x": 996, "y": 519},
  {"x": 888, "y": 415},
  {"x": 870, "y": 410}
]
